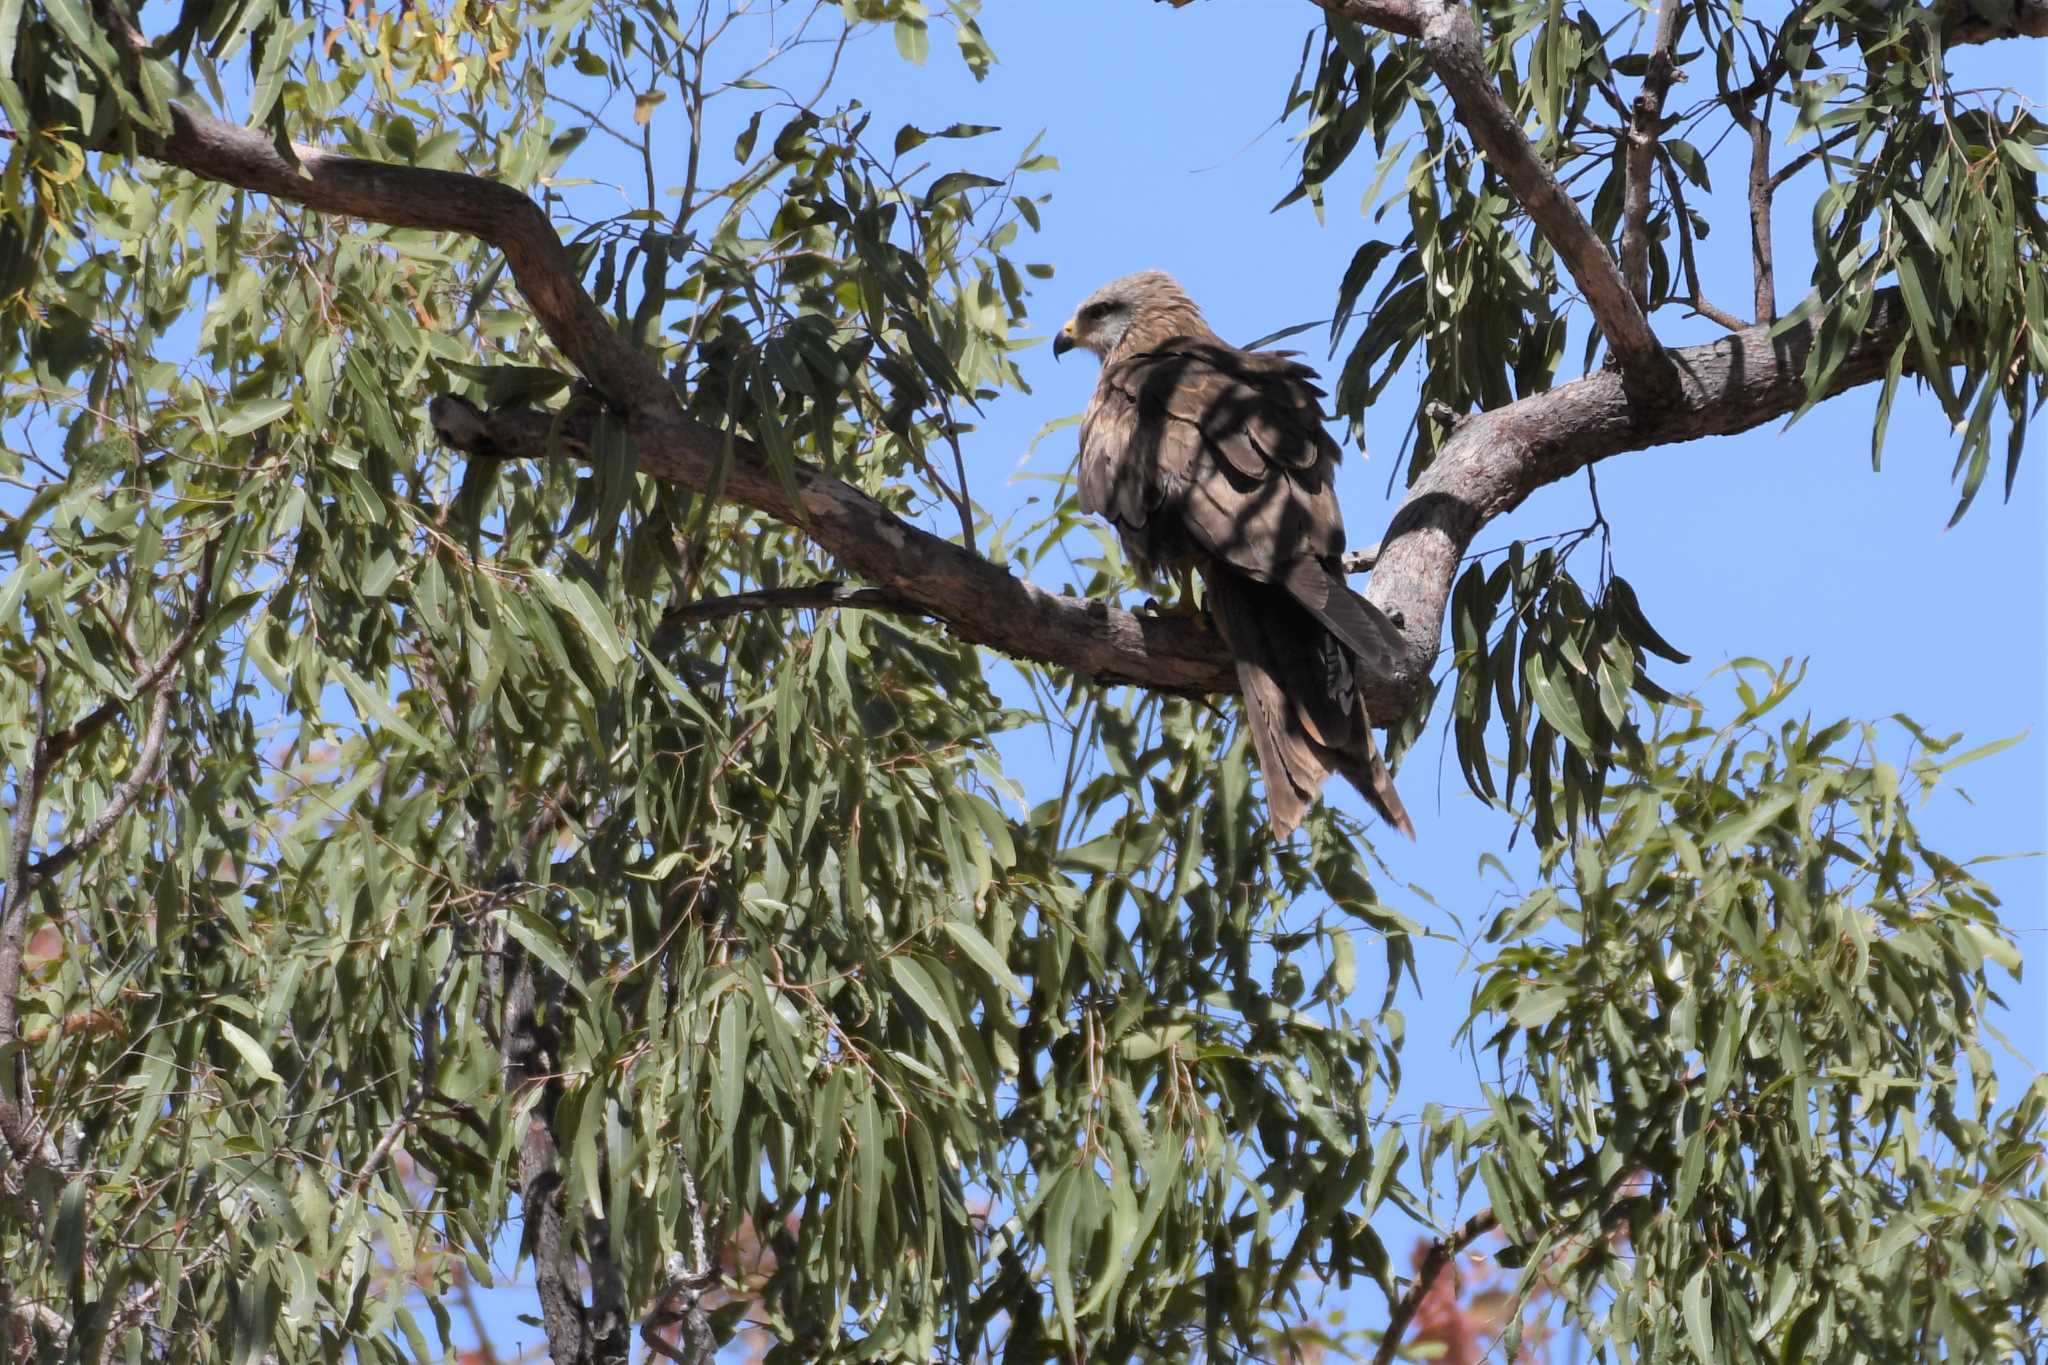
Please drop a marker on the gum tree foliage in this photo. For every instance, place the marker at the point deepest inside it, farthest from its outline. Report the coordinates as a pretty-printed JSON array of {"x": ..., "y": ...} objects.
[{"x": 560, "y": 821}]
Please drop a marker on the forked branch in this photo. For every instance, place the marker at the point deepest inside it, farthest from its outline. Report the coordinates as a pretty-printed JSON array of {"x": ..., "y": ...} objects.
[
  {"x": 1451, "y": 38},
  {"x": 1645, "y": 124},
  {"x": 1492, "y": 461}
]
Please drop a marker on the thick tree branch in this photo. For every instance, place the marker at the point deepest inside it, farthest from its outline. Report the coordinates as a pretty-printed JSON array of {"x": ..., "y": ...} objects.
[
  {"x": 2028, "y": 19},
  {"x": 1497, "y": 458},
  {"x": 1491, "y": 462},
  {"x": 1645, "y": 123},
  {"x": 984, "y": 604},
  {"x": 1404, "y": 17},
  {"x": 1451, "y": 38}
]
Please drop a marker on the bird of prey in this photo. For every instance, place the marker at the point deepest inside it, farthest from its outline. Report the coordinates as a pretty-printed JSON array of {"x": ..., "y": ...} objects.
[{"x": 1211, "y": 458}]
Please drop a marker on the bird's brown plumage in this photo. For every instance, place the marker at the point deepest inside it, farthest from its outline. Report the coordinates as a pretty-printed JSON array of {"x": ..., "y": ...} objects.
[{"x": 1209, "y": 457}]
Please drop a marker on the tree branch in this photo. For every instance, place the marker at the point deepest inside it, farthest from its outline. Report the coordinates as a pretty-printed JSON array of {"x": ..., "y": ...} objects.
[
  {"x": 1451, "y": 38},
  {"x": 1761, "y": 188},
  {"x": 1687, "y": 263},
  {"x": 809, "y": 597},
  {"x": 528, "y": 1064},
  {"x": 1490, "y": 463},
  {"x": 1497, "y": 458},
  {"x": 1964, "y": 26},
  {"x": 1404, "y": 17},
  {"x": 1441, "y": 1253},
  {"x": 1646, "y": 118},
  {"x": 1807, "y": 158},
  {"x": 18, "y": 1127},
  {"x": 158, "y": 676}
]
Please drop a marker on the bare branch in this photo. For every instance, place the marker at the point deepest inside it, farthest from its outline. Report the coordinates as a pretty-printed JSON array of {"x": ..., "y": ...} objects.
[
  {"x": 1451, "y": 38},
  {"x": 1761, "y": 187},
  {"x": 1490, "y": 463},
  {"x": 1645, "y": 122},
  {"x": 1497, "y": 458},
  {"x": 1696, "y": 297},
  {"x": 1701, "y": 305}
]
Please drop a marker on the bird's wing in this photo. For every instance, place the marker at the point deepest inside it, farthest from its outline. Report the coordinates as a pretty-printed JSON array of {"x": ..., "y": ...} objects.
[
  {"x": 1234, "y": 438},
  {"x": 1132, "y": 458}
]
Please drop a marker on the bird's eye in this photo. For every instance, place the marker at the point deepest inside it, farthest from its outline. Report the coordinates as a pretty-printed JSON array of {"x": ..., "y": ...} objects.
[{"x": 1095, "y": 312}]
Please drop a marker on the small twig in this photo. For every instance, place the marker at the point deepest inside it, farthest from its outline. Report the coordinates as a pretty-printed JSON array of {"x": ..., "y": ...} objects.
[
  {"x": 1699, "y": 304},
  {"x": 1362, "y": 560},
  {"x": 361, "y": 1179},
  {"x": 1808, "y": 157},
  {"x": 810, "y": 596},
  {"x": 1697, "y": 299},
  {"x": 961, "y": 501}
]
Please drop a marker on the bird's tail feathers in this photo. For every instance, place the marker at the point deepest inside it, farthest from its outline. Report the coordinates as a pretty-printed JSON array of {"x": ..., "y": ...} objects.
[
  {"x": 1363, "y": 627},
  {"x": 1300, "y": 701}
]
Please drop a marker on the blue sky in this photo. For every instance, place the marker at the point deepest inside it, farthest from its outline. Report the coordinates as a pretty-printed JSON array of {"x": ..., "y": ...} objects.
[{"x": 1779, "y": 544}]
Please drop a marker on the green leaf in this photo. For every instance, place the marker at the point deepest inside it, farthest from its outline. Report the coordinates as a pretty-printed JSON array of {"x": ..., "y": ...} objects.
[
  {"x": 957, "y": 182},
  {"x": 915, "y": 982},
  {"x": 1554, "y": 699},
  {"x": 1689, "y": 160},
  {"x": 913, "y": 40},
  {"x": 68, "y": 1243},
  {"x": 1738, "y": 829},
  {"x": 1699, "y": 1325},
  {"x": 539, "y": 937},
  {"x": 252, "y": 1051},
  {"x": 985, "y": 956},
  {"x": 250, "y": 416}
]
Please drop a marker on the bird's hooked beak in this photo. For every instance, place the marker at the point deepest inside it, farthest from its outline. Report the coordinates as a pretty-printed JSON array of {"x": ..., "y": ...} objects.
[{"x": 1064, "y": 341}]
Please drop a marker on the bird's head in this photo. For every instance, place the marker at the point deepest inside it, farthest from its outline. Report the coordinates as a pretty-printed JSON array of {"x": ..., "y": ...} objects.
[{"x": 1146, "y": 307}]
